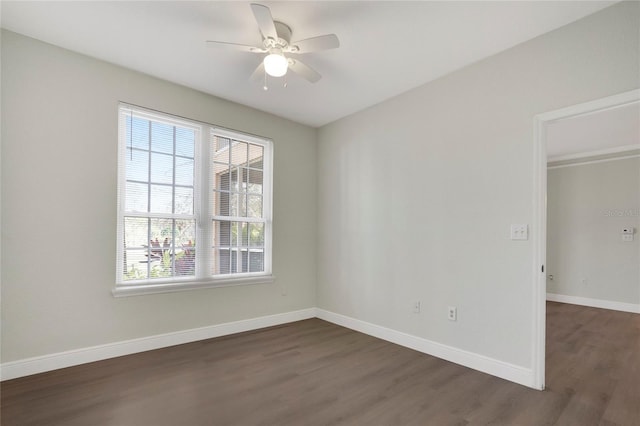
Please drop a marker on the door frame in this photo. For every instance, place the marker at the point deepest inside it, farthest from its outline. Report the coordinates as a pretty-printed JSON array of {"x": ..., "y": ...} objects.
[{"x": 539, "y": 234}]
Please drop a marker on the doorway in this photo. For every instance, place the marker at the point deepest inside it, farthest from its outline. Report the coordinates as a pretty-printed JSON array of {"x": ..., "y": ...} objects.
[{"x": 539, "y": 234}]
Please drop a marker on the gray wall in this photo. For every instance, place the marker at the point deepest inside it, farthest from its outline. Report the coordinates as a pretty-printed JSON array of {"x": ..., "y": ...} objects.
[
  {"x": 59, "y": 151},
  {"x": 414, "y": 196},
  {"x": 588, "y": 205},
  {"x": 417, "y": 194}
]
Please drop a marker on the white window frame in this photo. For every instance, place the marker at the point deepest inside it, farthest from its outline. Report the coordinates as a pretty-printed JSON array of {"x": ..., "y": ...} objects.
[{"x": 204, "y": 218}]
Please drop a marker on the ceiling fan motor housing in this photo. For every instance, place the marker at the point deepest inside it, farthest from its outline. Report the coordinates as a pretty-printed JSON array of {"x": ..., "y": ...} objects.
[{"x": 284, "y": 34}]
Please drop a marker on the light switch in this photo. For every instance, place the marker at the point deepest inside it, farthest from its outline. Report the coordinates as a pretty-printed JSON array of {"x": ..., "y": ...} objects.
[
  {"x": 519, "y": 232},
  {"x": 627, "y": 234}
]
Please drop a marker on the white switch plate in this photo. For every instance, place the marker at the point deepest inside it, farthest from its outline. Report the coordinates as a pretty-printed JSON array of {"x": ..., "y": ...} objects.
[
  {"x": 627, "y": 237},
  {"x": 519, "y": 232}
]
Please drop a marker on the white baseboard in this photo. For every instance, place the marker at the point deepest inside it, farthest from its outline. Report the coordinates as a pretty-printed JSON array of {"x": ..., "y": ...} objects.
[
  {"x": 595, "y": 303},
  {"x": 504, "y": 370},
  {"x": 29, "y": 366},
  {"x": 26, "y": 367}
]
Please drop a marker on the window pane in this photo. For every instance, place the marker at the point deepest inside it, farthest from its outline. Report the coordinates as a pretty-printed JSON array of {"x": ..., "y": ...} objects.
[
  {"x": 236, "y": 180},
  {"x": 254, "y": 206},
  {"x": 243, "y": 234},
  {"x": 223, "y": 144},
  {"x": 137, "y": 197},
  {"x": 161, "y": 168},
  {"x": 221, "y": 262},
  {"x": 136, "y": 232},
  {"x": 135, "y": 265},
  {"x": 185, "y": 232},
  {"x": 228, "y": 233},
  {"x": 137, "y": 164},
  {"x": 256, "y": 234},
  {"x": 184, "y": 171},
  {"x": 185, "y": 142},
  {"x": 222, "y": 234},
  {"x": 243, "y": 265},
  {"x": 221, "y": 203},
  {"x": 164, "y": 257},
  {"x": 221, "y": 150},
  {"x": 221, "y": 179},
  {"x": 256, "y": 152},
  {"x": 239, "y": 153},
  {"x": 137, "y": 133},
  {"x": 161, "y": 137},
  {"x": 231, "y": 260},
  {"x": 161, "y": 199},
  {"x": 161, "y": 233},
  {"x": 184, "y": 201},
  {"x": 254, "y": 181},
  {"x": 256, "y": 261},
  {"x": 242, "y": 198},
  {"x": 235, "y": 230},
  {"x": 185, "y": 247},
  {"x": 185, "y": 263},
  {"x": 258, "y": 164},
  {"x": 161, "y": 248},
  {"x": 237, "y": 205}
]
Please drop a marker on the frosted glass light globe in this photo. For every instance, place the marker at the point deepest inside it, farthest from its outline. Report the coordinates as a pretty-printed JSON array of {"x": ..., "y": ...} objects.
[{"x": 275, "y": 65}]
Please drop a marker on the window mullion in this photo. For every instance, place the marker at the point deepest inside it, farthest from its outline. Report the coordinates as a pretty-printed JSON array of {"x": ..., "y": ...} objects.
[
  {"x": 202, "y": 204},
  {"x": 267, "y": 200},
  {"x": 148, "y": 171},
  {"x": 148, "y": 201},
  {"x": 172, "y": 247}
]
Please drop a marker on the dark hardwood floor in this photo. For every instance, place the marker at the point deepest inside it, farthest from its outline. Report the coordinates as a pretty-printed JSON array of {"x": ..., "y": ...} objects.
[{"x": 316, "y": 373}]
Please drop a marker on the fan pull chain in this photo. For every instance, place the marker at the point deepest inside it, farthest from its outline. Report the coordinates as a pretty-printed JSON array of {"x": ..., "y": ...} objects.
[{"x": 265, "y": 87}]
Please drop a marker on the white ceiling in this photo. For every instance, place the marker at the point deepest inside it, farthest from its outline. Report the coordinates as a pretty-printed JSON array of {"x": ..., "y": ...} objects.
[
  {"x": 611, "y": 129},
  {"x": 386, "y": 47}
]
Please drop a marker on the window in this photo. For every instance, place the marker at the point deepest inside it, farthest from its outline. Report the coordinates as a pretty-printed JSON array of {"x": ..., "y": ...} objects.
[{"x": 194, "y": 205}]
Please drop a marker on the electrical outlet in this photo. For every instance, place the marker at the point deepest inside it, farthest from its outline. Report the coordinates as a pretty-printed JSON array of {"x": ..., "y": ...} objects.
[
  {"x": 519, "y": 232},
  {"x": 416, "y": 307},
  {"x": 452, "y": 313}
]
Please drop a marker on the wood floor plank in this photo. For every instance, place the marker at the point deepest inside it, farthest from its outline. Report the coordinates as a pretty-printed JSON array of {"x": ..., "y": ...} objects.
[{"x": 316, "y": 373}]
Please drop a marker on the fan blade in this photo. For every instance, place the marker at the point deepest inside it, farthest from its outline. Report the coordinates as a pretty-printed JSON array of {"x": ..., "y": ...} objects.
[
  {"x": 314, "y": 44},
  {"x": 304, "y": 70},
  {"x": 258, "y": 74},
  {"x": 234, "y": 46},
  {"x": 265, "y": 21}
]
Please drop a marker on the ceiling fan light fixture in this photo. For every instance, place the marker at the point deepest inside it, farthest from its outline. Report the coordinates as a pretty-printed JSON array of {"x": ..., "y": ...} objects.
[
  {"x": 276, "y": 43},
  {"x": 275, "y": 64}
]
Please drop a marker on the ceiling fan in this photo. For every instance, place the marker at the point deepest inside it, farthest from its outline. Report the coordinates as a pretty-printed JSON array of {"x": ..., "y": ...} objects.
[{"x": 276, "y": 42}]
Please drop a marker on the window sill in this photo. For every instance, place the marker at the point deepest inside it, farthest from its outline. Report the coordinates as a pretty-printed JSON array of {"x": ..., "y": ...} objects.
[{"x": 125, "y": 290}]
